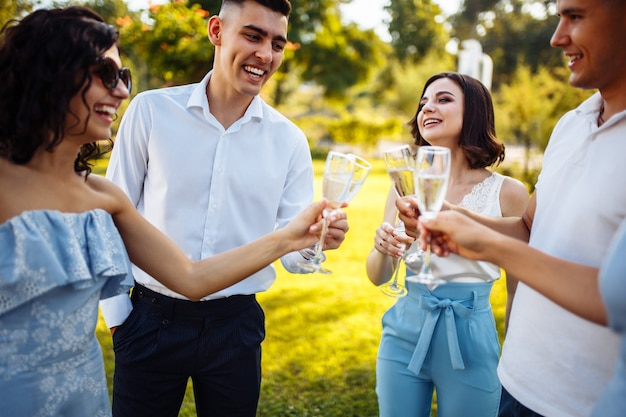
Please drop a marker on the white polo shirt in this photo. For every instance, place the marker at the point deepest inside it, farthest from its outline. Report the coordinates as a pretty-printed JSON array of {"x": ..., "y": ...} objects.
[
  {"x": 207, "y": 188},
  {"x": 554, "y": 362}
]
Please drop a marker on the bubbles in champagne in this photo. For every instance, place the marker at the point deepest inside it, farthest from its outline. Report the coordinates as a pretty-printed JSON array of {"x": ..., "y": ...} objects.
[
  {"x": 335, "y": 187},
  {"x": 403, "y": 181},
  {"x": 431, "y": 191}
]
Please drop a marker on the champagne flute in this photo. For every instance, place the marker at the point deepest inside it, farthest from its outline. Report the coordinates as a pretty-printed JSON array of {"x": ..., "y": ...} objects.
[
  {"x": 338, "y": 173},
  {"x": 432, "y": 173},
  {"x": 362, "y": 169},
  {"x": 400, "y": 166}
]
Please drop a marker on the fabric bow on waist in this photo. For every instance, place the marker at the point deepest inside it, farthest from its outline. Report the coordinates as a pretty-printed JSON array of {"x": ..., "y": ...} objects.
[{"x": 435, "y": 306}]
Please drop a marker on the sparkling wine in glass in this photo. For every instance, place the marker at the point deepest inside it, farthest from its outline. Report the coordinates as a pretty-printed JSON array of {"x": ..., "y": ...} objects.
[
  {"x": 400, "y": 166},
  {"x": 432, "y": 173},
  {"x": 338, "y": 173}
]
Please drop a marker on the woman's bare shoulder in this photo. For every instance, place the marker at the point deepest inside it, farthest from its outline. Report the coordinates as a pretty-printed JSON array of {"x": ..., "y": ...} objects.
[
  {"x": 109, "y": 196},
  {"x": 514, "y": 197}
]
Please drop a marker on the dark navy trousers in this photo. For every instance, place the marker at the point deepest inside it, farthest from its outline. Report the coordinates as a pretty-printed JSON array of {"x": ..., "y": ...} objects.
[
  {"x": 165, "y": 341},
  {"x": 510, "y": 407}
]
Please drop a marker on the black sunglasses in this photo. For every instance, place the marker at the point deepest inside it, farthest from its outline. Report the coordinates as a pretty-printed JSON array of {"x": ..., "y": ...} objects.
[{"x": 107, "y": 70}]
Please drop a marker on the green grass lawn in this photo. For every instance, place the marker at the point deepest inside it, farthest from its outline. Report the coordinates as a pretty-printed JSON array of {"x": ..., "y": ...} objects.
[{"x": 319, "y": 355}]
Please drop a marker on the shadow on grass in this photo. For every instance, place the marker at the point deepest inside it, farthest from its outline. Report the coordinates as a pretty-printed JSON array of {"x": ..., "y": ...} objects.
[{"x": 349, "y": 394}]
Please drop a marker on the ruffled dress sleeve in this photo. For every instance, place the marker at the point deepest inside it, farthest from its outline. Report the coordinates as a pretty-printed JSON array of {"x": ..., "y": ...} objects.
[
  {"x": 53, "y": 269},
  {"x": 44, "y": 250}
]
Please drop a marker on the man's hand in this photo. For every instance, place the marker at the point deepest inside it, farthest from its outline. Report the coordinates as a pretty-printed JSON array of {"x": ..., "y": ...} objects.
[
  {"x": 408, "y": 213},
  {"x": 453, "y": 232}
]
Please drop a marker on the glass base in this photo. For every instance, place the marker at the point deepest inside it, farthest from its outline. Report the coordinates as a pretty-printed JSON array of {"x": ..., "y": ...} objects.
[
  {"x": 394, "y": 290},
  {"x": 314, "y": 268},
  {"x": 414, "y": 261},
  {"x": 426, "y": 277},
  {"x": 429, "y": 280}
]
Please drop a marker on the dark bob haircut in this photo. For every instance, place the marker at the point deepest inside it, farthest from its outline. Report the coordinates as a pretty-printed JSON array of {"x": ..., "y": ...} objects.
[
  {"x": 478, "y": 139},
  {"x": 45, "y": 60}
]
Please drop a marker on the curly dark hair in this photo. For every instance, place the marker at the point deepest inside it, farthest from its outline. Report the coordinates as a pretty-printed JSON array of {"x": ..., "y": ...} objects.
[
  {"x": 45, "y": 60},
  {"x": 478, "y": 139}
]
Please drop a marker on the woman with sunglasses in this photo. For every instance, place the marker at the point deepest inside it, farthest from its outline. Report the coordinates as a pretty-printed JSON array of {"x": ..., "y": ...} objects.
[{"x": 66, "y": 236}]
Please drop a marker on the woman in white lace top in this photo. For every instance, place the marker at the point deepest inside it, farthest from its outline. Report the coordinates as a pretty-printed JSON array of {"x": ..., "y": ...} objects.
[{"x": 445, "y": 339}]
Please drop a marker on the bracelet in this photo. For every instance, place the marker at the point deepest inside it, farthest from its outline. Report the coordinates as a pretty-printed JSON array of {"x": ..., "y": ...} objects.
[{"x": 308, "y": 253}]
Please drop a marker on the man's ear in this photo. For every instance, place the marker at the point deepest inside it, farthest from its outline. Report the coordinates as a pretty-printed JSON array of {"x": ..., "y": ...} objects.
[{"x": 214, "y": 29}]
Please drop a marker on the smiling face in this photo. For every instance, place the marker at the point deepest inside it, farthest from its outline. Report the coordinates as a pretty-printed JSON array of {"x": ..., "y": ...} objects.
[
  {"x": 90, "y": 119},
  {"x": 249, "y": 44},
  {"x": 440, "y": 118},
  {"x": 591, "y": 34}
]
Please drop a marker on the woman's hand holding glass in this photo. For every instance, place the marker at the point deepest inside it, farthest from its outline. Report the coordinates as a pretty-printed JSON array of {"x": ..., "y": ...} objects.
[{"x": 393, "y": 241}]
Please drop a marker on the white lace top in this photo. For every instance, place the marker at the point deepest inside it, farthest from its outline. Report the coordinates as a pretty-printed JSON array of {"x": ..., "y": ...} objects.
[
  {"x": 485, "y": 196},
  {"x": 484, "y": 199}
]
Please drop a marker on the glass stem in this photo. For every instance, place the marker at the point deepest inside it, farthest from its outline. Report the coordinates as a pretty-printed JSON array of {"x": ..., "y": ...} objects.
[
  {"x": 319, "y": 246},
  {"x": 426, "y": 265},
  {"x": 394, "y": 281}
]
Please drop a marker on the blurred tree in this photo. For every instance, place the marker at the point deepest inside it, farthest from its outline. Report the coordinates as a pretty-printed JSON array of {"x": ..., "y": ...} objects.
[
  {"x": 518, "y": 37},
  {"x": 466, "y": 21},
  {"x": 110, "y": 10},
  {"x": 529, "y": 107},
  {"x": 416, "y": 27},
  {"x": 170, "y": 47},
  {"x": 322, "y": 50},
  {"x": 512, "y": 32},
  {"x": 366, "y": 133},
  {"x": 211, "y": 6},
  {"x": 399, "y": 85},
  {"x": 12, "y": 9},
  {"x": 341, "y": 56}
]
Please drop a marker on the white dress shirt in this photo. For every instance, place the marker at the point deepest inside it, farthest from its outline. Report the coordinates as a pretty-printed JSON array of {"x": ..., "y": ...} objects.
[{"x": 207, "y": 188}]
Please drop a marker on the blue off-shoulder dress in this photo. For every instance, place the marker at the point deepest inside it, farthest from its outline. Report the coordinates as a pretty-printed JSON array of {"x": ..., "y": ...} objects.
[{"x": 54, "y": 268}]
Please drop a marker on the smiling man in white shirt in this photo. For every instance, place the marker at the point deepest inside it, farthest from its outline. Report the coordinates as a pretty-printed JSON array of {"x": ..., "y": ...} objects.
[{"x": 214, "y": 167}]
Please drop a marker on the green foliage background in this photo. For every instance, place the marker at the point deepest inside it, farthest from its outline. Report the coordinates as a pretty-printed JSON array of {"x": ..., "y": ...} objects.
[{"x": 344, "y": 84}]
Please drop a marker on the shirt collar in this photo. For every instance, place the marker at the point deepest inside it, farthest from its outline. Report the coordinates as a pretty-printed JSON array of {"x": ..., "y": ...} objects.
[
  {"x": 198, "y": 98},
  {"x": 590, "y": 109},
  {"x": 591, "y": 106}
]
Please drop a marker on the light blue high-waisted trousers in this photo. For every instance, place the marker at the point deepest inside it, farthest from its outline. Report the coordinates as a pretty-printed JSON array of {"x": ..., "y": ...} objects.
[{"x": 444, "y": 340}]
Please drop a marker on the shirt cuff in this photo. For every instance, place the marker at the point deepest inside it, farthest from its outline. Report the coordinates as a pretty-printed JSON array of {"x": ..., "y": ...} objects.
[{"x": 115, "y": 310}]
